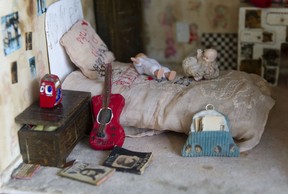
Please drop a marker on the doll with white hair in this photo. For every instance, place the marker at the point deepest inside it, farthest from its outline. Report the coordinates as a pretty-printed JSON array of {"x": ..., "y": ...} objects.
[
  {"x": 203, "y": 66},
  {"x": 151, "y": 67}
]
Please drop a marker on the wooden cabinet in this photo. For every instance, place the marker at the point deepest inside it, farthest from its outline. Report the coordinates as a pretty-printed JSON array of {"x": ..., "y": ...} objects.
[
  {"x": 120, "y": 25},
  {"x": 262, "y": 42},
  {"x": 73, "y": 120}
]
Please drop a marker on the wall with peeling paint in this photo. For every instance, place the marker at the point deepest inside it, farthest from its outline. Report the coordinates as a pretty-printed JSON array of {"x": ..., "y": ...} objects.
[{"x": 23, "y": 62}]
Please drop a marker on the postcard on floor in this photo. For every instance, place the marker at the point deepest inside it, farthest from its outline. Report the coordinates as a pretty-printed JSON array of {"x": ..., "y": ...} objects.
[
  {"x": 93, "y": 174},
  {"x": 128, "y": 161}
]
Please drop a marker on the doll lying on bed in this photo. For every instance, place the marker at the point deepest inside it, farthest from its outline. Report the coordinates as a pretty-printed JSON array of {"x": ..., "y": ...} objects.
[
  {"x": 149, "y": 66},
  {"x": 203, "y": 66}
]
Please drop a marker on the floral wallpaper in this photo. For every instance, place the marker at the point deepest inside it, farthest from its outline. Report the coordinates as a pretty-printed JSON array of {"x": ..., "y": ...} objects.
[{"x": 174, "y": 28}]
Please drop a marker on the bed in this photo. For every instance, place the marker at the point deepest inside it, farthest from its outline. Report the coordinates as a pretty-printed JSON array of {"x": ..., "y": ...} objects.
[{"x": 153, "y": 106}]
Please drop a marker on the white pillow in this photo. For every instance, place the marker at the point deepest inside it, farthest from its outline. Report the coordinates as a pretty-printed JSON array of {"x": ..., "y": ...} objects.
[{"x": 86, "y": 49}]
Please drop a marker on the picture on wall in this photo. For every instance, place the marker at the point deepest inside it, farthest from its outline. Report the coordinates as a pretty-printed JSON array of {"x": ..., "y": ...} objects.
[
  {"x": 28, "y": 40},
  {"x": 32, "y": 65},
  {"x": 247, "y": 50},
  {"x": 41, "y": 7},
  {"x": 271, "y": 56},
  {"x": 253, "y": 18},
  {"x": 11, "y": 33},
  {"x": 14, "y": 73},
  {"x": 251, "y": 66}
]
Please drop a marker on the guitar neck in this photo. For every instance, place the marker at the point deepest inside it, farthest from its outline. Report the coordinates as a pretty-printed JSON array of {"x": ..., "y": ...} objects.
[{"x": 107, "y": 86}]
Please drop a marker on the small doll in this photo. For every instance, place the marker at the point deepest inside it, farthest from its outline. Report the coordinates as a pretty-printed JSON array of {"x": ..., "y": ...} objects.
[
  {"x": 203, "y": 66},
  {"x": 150, "y": 67}
]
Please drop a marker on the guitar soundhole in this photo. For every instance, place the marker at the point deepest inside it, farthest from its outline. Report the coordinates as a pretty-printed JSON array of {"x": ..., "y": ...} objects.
[
  {"x": 104, "y": 116},
  {"x": 101, "y": 134}
]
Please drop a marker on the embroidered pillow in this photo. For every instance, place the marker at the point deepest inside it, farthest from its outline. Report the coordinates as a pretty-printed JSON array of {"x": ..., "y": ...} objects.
[{"x": 86, "y": 49}]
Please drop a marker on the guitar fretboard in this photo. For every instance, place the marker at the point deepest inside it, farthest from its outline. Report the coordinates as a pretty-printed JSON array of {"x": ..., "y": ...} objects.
[{"x": 107, "y": 86}]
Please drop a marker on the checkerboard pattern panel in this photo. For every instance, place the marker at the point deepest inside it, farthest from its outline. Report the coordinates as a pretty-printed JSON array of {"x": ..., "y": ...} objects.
[{"x": 226, "y": 46}]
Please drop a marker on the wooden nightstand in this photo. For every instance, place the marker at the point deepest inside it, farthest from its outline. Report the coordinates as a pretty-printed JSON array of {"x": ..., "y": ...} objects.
[{"x": 73, "y": 119}]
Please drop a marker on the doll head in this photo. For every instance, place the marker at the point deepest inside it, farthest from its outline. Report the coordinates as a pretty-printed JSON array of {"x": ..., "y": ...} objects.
[
  {"x": 209, "y": 55},
  {"x": 136, "y": 59},
  {"x": 139, "y": 55}
]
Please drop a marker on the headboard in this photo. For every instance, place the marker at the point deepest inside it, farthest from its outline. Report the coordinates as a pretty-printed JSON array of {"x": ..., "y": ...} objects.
[{"x": 60, "y": 16}]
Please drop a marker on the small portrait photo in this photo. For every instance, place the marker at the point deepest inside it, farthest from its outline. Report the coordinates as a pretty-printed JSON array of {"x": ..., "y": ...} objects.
[
  {"x": 14, "y": 73},
  {"x": 41, "y": 7},
  {"x": 267, "y": 37},
  {"x": 32, "y": 65},
  {"x": 253, "y": 19},
  {"x": 251, "y": 66},
  {"x": 28, "y": 40},
  {"x": 11, "y": 33},
  {"x": 247, "y": 50},
  {"x": 193, "y": 33},
  {"x": 125, "y": 161},
  {"x": 271, "y": 56},
  {"x": 270, "y": 75}
]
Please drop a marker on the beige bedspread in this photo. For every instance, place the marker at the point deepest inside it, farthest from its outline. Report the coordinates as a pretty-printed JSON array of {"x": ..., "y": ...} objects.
[{"x": 244, "y": 98}]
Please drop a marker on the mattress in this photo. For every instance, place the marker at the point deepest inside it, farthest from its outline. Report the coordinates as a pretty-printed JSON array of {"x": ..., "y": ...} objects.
[{"x": 245, "y": 100}]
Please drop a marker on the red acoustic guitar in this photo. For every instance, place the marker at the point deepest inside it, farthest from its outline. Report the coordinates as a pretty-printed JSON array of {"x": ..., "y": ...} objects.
[{"x": 107, "y": 131}]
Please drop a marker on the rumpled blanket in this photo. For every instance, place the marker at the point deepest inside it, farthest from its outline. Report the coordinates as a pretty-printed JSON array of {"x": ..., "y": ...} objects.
[{"x": 170, "y": 105}]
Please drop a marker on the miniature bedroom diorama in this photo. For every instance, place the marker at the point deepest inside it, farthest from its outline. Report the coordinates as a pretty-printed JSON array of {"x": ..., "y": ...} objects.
[{"x": 189, "y": 79}]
